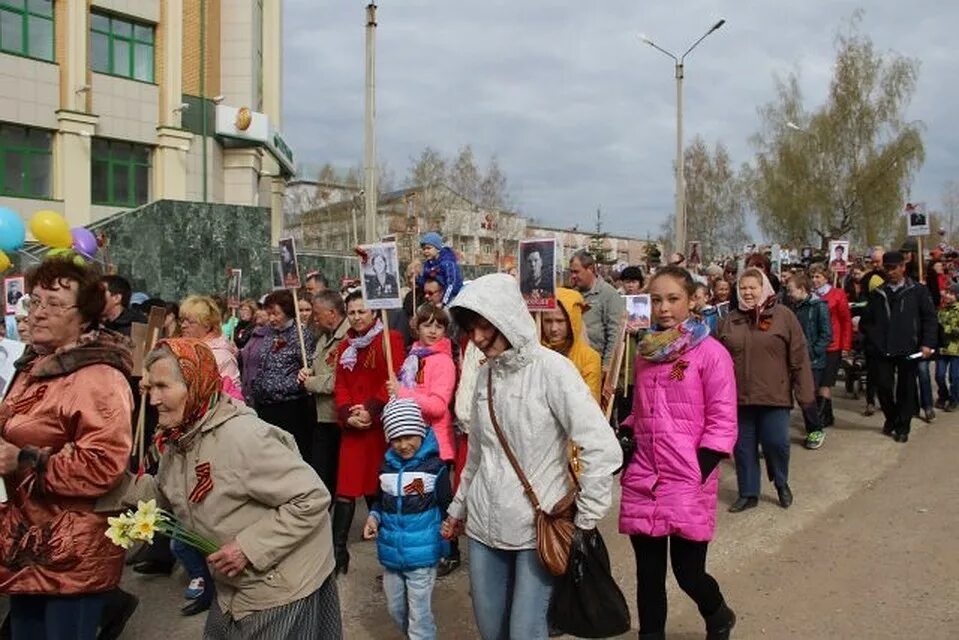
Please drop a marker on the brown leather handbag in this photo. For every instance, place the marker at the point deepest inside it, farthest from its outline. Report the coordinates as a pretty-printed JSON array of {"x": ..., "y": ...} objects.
[{"x": 555, "y": 529}]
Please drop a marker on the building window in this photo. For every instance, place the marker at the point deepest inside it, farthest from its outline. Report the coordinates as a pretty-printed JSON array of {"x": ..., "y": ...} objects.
[
  {"x": 121, "y": 47},
  {"x": 25, "y": 161},
  {"x": 26, "y": 28},
  {"x": 121, "y": 173}
]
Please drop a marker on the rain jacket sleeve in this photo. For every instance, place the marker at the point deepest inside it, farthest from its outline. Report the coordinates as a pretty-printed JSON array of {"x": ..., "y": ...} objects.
[
  {"x": 599, "y": 451},
  {"x": 457, "y": 508},
  {"x": 99, "y": 417},
  {"x": 275, "y": 475}
]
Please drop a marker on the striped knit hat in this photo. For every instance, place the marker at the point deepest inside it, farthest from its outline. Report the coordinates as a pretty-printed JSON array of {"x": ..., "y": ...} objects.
[{"x": 402, "y": 417}]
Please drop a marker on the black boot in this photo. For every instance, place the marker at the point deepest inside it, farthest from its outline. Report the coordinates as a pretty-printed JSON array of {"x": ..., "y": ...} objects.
[
  {"x": 342, "y": 520},
  {"x": 721, "y": 623}
]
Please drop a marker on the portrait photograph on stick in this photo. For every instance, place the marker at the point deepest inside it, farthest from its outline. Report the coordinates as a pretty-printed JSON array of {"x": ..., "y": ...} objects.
[
  {"x": 290, "y": 268},
  {"x": 380, "y": 275},
  {"x": 537, "y": 273}
]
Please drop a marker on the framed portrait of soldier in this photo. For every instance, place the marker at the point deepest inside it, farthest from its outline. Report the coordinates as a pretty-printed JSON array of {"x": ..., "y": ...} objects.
[
  {"x": 10, "y": 352},
  {"x": 839, "y": 256},
  {"x": 380, "y": 266},
  {"x": 288, "y": 263},
  {"x": 233, "y": 288},
  {"x": 638, "y": 311},
  {"x": 537, "y": 273},
  {"x": 917, "y": 220},
  {"x": 694, "y": 255},
  {"x": 13, "y": 289}
]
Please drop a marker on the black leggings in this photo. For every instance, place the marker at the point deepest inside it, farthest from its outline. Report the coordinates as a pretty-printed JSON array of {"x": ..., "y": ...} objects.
[{"x": 689, "y": 567}]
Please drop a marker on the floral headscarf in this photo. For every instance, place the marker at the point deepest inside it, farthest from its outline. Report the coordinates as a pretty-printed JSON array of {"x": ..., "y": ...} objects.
[{"x": 202, "y": 379}]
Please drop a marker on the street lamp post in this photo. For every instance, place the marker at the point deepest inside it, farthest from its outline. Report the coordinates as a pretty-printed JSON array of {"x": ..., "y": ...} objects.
[{"x": 680, "y": 169}]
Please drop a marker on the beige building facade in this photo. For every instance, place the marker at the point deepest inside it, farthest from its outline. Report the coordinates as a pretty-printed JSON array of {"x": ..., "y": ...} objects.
[{"x": 106, "y": 105}]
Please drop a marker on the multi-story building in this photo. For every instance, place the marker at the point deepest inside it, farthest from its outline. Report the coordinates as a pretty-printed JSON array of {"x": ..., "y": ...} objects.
[{"x": 106, "y": 105}]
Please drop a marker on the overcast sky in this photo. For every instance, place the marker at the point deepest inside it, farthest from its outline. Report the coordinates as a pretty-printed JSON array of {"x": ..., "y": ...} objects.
[{"x": 580, "y": 113}]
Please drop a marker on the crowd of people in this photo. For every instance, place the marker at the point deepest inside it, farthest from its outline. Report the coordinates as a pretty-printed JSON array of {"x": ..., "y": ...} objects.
[{"x": 269, "y": 422}]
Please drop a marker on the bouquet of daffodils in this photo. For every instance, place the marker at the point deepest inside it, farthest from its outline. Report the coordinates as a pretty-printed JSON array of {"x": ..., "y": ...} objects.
[{"x": 148, "y": 520}]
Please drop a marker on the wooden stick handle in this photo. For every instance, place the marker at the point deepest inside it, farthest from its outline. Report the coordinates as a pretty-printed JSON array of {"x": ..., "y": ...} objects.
[{"x": 387, "y": 347}]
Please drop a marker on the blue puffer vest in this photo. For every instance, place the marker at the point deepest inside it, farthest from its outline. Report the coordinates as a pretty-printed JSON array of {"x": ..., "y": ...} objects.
[{"x": 410, "y": 512}]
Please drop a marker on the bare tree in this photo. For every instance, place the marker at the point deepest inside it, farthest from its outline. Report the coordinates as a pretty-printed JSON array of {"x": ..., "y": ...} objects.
[{"x": 844, "y": 169}]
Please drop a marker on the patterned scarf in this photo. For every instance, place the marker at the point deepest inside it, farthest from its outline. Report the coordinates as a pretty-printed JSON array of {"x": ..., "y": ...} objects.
[
  {"x": 411, "y": 366},
  {"x": 203, "y": 384},
  {"x": 669, "y": 344},
  {"x": 348, "y": 359}
]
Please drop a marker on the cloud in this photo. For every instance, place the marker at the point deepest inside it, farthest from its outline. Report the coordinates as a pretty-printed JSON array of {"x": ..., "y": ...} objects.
[{"x": 579, "y": 112}]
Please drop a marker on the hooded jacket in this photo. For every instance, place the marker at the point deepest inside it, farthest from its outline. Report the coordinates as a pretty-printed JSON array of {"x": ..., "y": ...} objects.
[
  {"x": 409, "y": 519},
  {"x": 77, "y": 403},
  {"x": 433, "y": 394},
  {"x": 541, "y": 403},
  {"x": 587, "y": 360}
]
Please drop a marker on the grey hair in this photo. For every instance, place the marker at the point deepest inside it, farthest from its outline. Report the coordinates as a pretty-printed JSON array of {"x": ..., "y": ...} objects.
[
  {"x": 162, "y": 353},
  {"x": 331, "y": 300},
  {"x": 585, "y": 258}
]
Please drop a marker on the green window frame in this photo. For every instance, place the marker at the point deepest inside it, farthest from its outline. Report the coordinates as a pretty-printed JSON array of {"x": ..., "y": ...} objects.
[
  {"x": 26, "y": 28},
  {"x": 26, "y": 161},
  {"x": 120, "y": 174},
  {"x": 122, "y": 47}
]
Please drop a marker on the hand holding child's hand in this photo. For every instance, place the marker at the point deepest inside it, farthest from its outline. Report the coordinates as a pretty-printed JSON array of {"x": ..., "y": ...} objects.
[
  {"x": 452, "y": 528},
  {"x": 371, "y": 528}
]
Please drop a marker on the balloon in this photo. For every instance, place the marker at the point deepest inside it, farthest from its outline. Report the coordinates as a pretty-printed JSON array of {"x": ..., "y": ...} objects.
[
  {"x": 4, "y": 261},
  {"x": 84, "y": 242},
  {"x": 49, "y": 228},
  {"x": 12, "y": 233}
]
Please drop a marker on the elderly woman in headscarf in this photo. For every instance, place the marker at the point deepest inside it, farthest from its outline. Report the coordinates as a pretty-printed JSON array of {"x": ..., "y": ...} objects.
[
  {"x": 241, "y": 482},
  {"x": 772, "y": 363}
]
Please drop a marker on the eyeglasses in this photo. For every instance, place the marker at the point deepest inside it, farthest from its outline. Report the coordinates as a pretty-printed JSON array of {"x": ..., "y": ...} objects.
[{"x": 55, "y": 307}]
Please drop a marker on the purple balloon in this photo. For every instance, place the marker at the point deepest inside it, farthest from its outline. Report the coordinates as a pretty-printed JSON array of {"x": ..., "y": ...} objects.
[{"x": 84, "y": 242}]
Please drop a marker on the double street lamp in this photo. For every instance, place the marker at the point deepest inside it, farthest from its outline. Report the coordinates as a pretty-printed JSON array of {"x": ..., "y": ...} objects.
[{"x": 680, "y": 170}]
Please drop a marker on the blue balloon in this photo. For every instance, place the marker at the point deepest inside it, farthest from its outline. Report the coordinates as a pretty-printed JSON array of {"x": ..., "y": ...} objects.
[{"x": 12, "y": 232}]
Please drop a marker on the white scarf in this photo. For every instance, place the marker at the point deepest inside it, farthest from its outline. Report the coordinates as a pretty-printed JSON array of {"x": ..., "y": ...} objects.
[{"x": 348, "y": 359}]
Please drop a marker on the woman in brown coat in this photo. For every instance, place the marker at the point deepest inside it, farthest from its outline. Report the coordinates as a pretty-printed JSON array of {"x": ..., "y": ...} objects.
[
  {"x": 64, "y": 441},
  {"x": 771, "y": 362}
]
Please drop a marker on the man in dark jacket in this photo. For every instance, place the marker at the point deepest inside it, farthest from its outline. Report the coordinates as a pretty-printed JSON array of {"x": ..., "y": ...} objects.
[
  {"x": 117, "y": 314},
  {"x": 899, "y": 322}
]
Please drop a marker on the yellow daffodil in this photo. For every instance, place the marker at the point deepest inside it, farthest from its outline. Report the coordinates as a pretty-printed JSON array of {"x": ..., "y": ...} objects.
[
  {"x": 148, "y": 508},
  {"x": 144, "y": 526},
  {"x": 119, "y": 532}
]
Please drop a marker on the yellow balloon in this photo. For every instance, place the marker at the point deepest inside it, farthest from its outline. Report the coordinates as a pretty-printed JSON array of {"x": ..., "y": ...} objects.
[
  {"x": 50, "y": 229},
  {"x": 4, "y": 261}
]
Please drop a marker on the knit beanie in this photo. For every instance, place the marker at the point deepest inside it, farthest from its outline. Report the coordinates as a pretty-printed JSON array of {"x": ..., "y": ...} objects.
[
  {"x": 402, "y": 417},
  {"x": 433, "y": 239}
]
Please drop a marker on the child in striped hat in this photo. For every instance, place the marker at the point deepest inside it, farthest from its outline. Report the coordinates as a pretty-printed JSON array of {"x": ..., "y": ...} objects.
[{"x": 415, "y": 492}]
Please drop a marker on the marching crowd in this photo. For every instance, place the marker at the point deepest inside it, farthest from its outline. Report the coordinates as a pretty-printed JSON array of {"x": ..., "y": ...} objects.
[{"x": 463, "y": 416}]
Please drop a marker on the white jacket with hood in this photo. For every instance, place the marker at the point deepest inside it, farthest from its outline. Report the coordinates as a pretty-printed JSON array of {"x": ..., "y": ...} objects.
[{"x": 541, "y": 403}]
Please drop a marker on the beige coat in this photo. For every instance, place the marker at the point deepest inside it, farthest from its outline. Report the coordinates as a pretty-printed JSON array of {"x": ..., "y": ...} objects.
[
  {"x": 264, "y": 496},
  {"x": 320, "y": 384}
]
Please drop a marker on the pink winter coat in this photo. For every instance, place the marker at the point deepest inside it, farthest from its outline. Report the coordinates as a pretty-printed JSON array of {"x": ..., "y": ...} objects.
[
  {"x": 433, "y": 393},
  {"x": 678, "y": 409}
]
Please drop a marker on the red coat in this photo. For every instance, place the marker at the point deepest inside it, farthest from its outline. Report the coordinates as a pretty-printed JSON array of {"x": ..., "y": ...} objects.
[
  {"x": 362, "y": 450},
  {"x": 841, "y": 319}
]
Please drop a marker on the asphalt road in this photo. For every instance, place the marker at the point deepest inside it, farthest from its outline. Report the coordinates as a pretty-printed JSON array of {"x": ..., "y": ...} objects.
[{"x": 868, "y": 550}]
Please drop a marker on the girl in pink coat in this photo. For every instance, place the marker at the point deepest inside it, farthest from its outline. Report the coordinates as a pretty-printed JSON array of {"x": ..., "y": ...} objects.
[{"x": 684, "y": 422}]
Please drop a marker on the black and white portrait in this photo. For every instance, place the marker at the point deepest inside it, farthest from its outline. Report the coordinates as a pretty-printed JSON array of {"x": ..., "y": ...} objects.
[
  {"x": 234, "y": 288},
  {"x": 291, "y": 270},
  {"x": 693, "y": 255},
  {"x": 276, "y": 268},
  {"x": 917, "y": 219},
  {"x": 381, "y": 288},
  {"x": 537, "y": 273},
  {"x": 638, "y": 311},
  {"x": 12, "y": 292}
]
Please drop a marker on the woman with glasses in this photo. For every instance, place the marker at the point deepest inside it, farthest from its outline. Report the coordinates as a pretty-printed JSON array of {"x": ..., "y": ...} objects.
[{"x": 65, "y": 437}]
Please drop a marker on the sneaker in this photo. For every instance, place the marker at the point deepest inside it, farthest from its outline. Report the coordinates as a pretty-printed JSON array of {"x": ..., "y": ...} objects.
[
  {"x": 195, "y": 589},
  {"x": 447, "y": 566},
  {"x": 952, "y": 406},
  {"x": 870, "y": 409},
  {"x": 814, "y": 439},
  {"x": 929, "y": 415}
]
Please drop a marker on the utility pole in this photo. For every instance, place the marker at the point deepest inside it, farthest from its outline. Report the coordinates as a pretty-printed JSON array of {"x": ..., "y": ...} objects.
[
  {"x": 369, "y": 235},
  {"x": 599, "y": 221}
]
